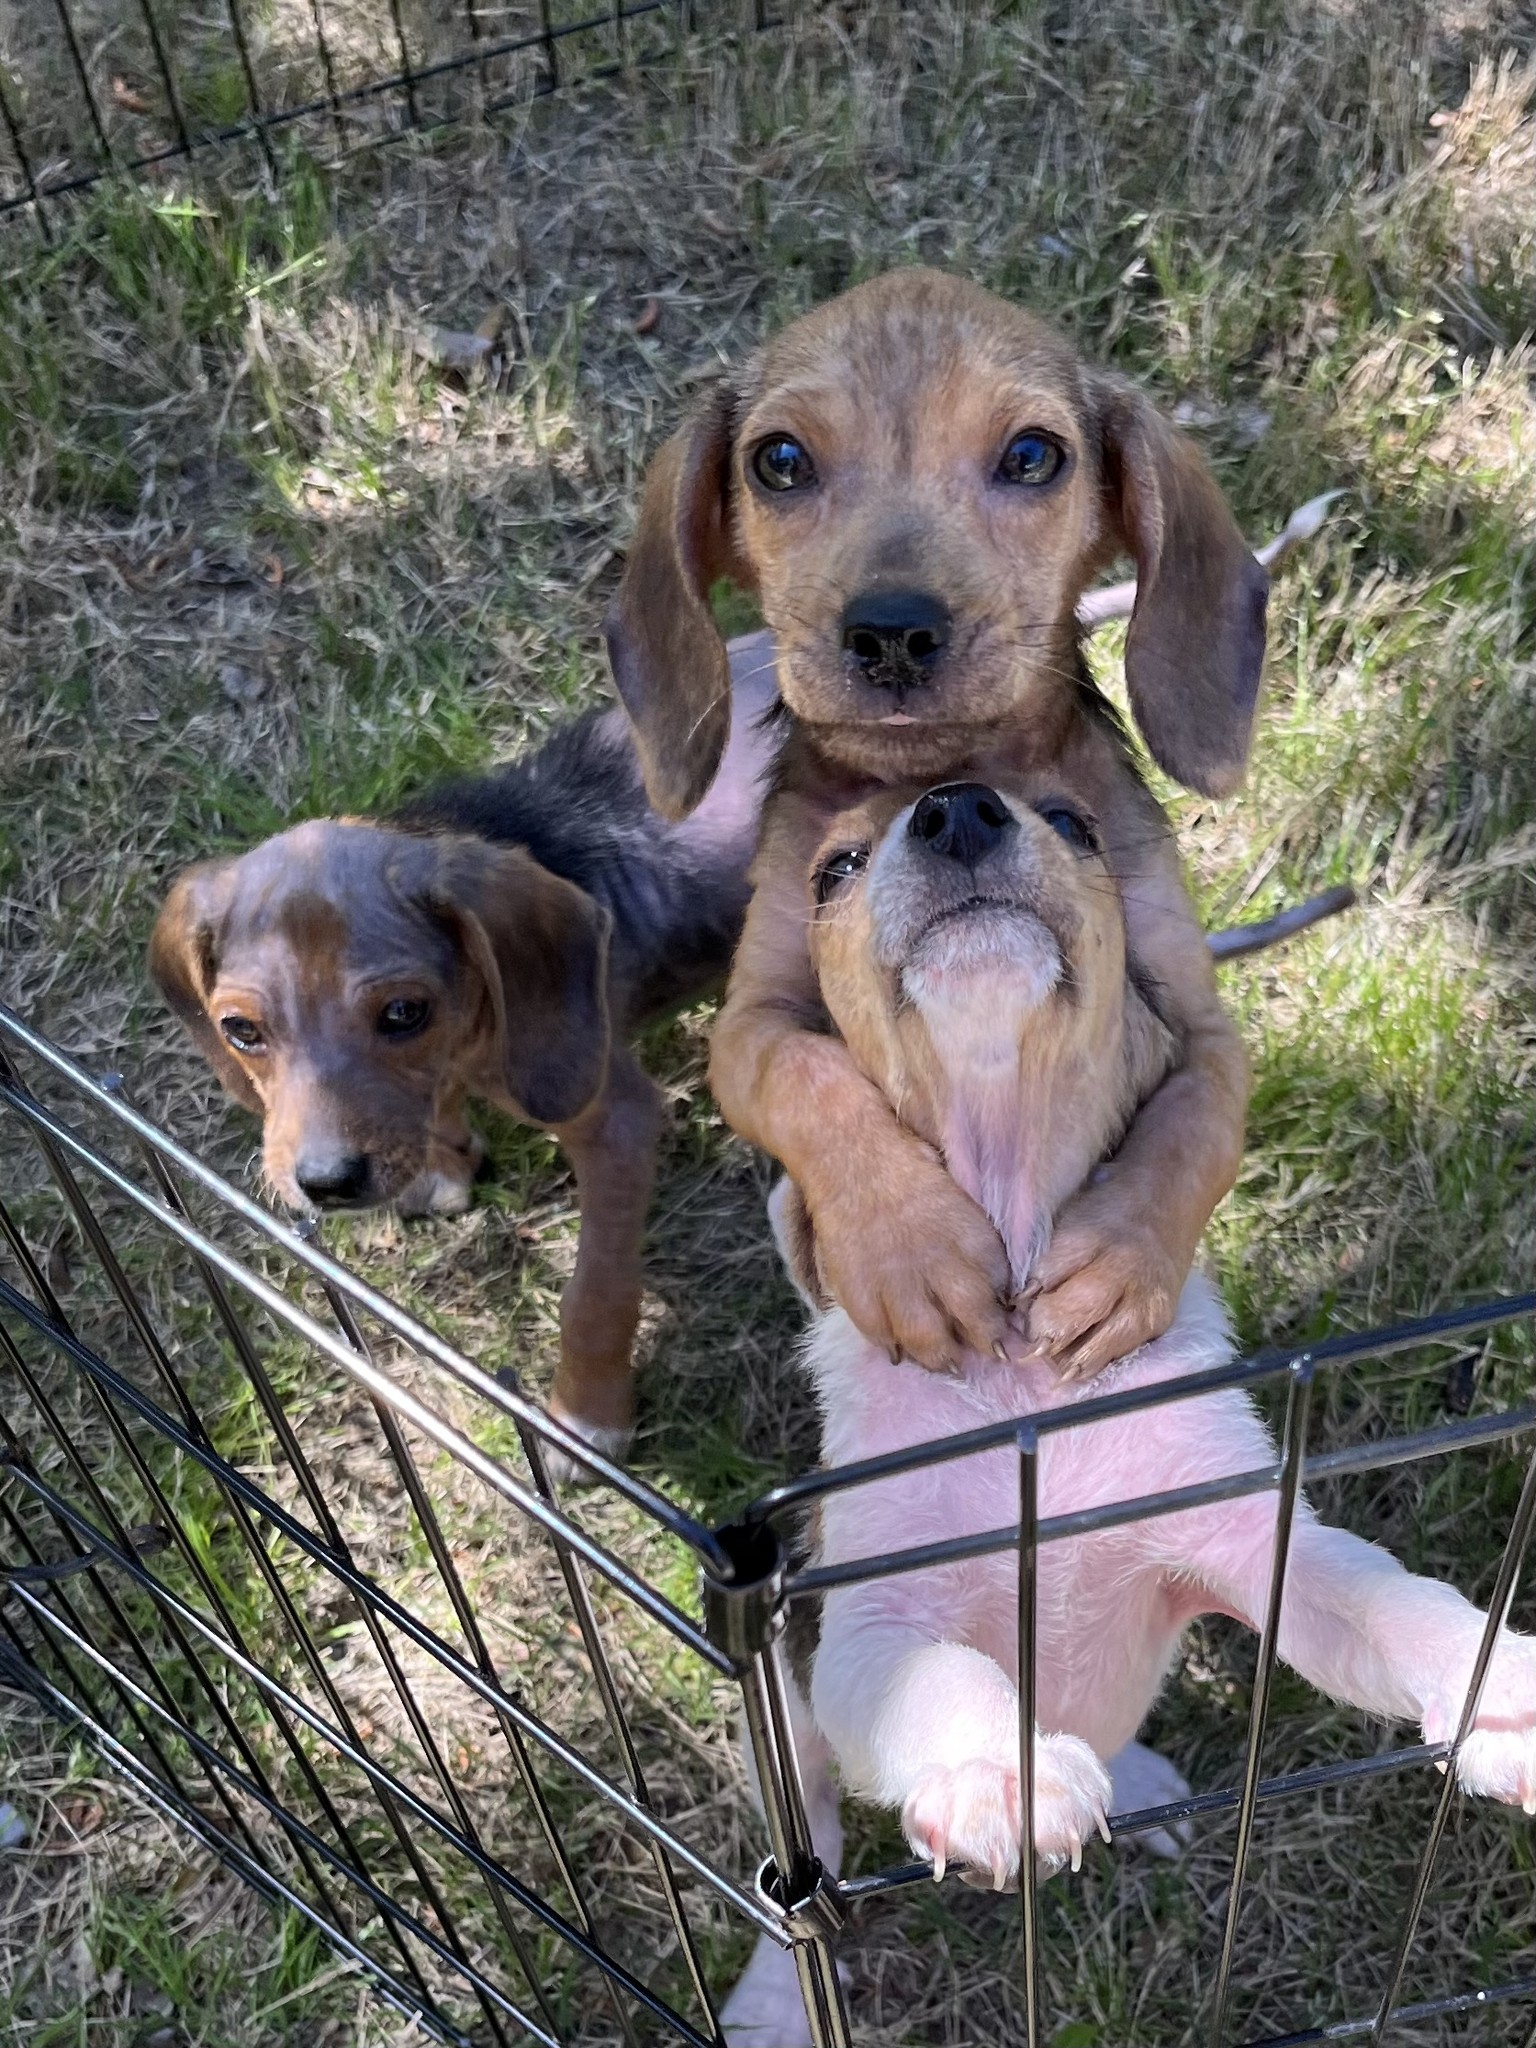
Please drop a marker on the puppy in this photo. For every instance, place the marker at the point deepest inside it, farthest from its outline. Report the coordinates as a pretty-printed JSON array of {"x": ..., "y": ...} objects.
[
  {"x": 971, "y": 949},
  {"x": 919, "y": 482},
  {"x": 353, "y": 981}
]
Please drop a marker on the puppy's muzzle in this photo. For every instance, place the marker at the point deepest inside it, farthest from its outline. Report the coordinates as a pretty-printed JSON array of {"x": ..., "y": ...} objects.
[
  {"x": 893, "y": 638},
  {"x": 333, "y": 1179},
  {"x": 962, "y": 821}
]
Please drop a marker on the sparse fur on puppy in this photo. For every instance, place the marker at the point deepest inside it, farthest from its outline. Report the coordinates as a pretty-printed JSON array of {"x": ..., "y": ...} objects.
[
  {"x": 919, "y": 482},
  {"x": 971, "y": 949},
  {"x": 354, "y": 981}
]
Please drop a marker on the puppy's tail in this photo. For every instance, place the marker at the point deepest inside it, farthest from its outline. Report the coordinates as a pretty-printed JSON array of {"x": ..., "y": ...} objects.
[{"x": 1269, "y": 931}]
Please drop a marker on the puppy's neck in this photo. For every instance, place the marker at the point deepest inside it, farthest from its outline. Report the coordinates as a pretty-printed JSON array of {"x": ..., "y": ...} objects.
[{"x": 1010, "y": 1114}]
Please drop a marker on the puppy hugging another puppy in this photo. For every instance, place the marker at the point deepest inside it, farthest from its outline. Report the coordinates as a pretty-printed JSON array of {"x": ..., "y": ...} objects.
[
  {"x": 919, "y": 482},
  {"x": 353, "y": 981}
]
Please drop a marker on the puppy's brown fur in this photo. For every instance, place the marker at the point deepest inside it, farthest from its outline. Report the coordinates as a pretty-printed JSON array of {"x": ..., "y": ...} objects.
[
  {"x": 905, "y": 394},
  {"x": 519, "y": 926}
]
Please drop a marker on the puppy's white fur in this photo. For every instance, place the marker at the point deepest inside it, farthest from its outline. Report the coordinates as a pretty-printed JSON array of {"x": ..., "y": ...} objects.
[{"x": 914, "y": 1684}]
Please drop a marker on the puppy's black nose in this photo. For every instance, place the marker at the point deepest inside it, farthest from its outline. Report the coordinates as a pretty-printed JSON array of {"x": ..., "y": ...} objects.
[
  {"x": 964, "y": 821},
  {"x": 333, "y": 1178},
  {"x": 896, "y": 635}
]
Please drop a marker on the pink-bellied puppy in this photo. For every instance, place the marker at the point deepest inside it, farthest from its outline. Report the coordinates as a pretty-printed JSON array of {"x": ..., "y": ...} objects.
[{"x": 970, "y": 948}]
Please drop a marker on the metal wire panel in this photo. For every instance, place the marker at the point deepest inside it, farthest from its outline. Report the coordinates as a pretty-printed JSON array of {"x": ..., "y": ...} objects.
[
  {"x": 77, "y": 104},
  {"x": 228, "y": 1555},
  {"x": 300, "y": 1671}
]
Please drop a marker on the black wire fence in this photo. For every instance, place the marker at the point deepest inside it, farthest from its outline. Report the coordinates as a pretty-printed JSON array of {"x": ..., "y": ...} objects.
[
  {"x": 243, "y": 1497},
  {"x": 93, "y": 87}
]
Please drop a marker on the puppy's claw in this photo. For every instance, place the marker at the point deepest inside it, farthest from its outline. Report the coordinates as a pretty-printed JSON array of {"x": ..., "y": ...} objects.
[
  {"x": 938, "y": 1866},
  {"x": 1077, "y": 1851},
  {"x": 1101, "y": 1821},
  {"x": 1000, "y": 1875}
]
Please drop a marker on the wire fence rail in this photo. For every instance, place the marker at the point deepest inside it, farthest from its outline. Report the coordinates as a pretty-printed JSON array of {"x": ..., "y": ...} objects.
[
  {"x": 181, "y": 1552},
  {"x": 94, "y": 88}
]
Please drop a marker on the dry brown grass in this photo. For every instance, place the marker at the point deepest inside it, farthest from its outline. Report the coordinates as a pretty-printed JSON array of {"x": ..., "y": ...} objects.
[{"x": 221, "y": 445}]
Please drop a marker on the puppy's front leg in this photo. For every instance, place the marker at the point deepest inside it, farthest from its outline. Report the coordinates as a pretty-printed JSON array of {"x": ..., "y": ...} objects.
[
  {"x": 445, "y": 1185},
  {"x": 1358, "y": 1626},
  {"x": 1111, "y": 1277},
  {"x": 914, "y": 1261},
  {"x": 612, "y": 1150},
  {"x": 932, "y": 1728}
]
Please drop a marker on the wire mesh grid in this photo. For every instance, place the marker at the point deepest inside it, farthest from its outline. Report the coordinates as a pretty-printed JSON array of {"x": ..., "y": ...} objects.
[
  {"x": 240, "y": 1510},
  {"x": 89, "y": 88}
]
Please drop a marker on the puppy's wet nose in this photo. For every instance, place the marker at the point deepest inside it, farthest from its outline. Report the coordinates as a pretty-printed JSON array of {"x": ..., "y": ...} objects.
[
  {"x": 964, "y": 821},
  {"x": 333, "y": 1178},
  {"x": 896, "y": 634}
]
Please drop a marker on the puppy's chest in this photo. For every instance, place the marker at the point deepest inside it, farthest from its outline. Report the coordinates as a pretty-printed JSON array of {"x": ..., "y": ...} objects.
[{"x": 871, "y": 1408}]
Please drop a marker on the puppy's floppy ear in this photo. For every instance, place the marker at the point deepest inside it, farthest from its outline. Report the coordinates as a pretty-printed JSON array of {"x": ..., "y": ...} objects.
[
  {"x": 539, "y": 946},
  {"x": 1194, "y": 655},
  {"x": 183, "y": 959},
  {"x": 667, "y": 655}
]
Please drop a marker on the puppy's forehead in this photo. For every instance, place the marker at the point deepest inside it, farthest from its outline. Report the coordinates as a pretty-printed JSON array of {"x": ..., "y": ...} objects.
[
  {"x": 339, "y": 895},
  {"x": 889, "y": 342}
]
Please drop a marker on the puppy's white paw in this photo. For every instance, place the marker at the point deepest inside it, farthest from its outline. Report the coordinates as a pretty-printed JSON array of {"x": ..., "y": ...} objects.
[
  {"x": 766, "y": 2009},
  {"x": 436, "y": 1194},
  {"x": 1498, "y": 1758},
  {"x": 1139, "y": 1778},
  {"x": 612, "y": 1443},
  {"x": 972, "y": 1813}
]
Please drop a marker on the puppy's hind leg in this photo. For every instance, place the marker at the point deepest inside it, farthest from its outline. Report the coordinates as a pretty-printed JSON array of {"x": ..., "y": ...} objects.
[
  {"x": 1363, "y": 1629},
  {"x": 1139, "y": 1778},
  {"x": 766, "y": 2009}
]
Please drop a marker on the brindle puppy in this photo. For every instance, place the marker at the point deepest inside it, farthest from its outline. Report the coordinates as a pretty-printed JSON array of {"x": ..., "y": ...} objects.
[{"x": 353, "y": 981}]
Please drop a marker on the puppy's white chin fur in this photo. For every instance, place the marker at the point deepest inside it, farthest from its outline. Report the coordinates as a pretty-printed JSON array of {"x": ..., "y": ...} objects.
[{"x": 1011, "y": 951}]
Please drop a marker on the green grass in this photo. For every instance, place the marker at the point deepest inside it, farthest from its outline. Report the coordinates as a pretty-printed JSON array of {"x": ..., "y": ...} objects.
[{"x": 223, "y": 440}]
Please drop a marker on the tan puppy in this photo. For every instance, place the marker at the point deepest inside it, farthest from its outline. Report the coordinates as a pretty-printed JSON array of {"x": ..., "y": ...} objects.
[
  {"x": 919, "y": 481},
  {"x": 969, "y": 942}
]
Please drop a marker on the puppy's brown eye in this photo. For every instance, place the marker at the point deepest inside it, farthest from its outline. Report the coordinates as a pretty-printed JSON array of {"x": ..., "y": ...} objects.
[
  {"x": 406, "y": 1014},
  {"x": 781, "y": 464},
  {"x": 1031, "y": 458},
  {"x": 243, "y": 1033},
  {"x": 838, "y": 868},
  {"x": 1072, "y": 826}
]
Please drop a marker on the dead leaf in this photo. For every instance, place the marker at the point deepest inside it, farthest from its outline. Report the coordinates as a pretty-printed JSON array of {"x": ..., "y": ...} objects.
[
  {"x": 489, "y": 328},
  {"x": 129, "y": 98},
  {"x": 273, "y": 564},
  {"x": 650, "y": 316},
  {"x": 81, "y": 1814}
]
